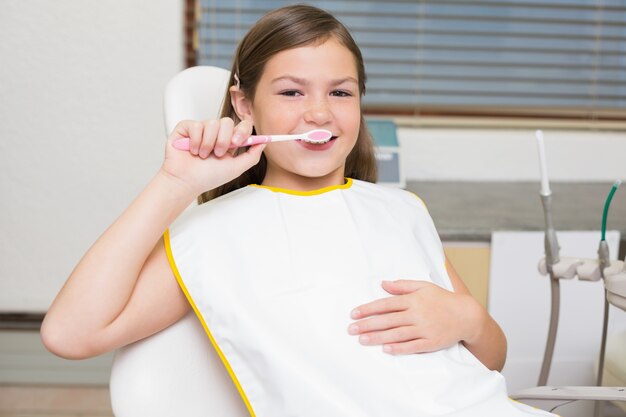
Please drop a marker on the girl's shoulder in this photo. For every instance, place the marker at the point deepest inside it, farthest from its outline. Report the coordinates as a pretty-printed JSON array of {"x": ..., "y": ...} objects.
[
  {"x": 227, "y": 205},
  {"x": 390, "y": 194}
]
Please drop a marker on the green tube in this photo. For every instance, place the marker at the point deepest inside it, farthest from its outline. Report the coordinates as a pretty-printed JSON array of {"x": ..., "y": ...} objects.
[{"x": 606, "y": 207}]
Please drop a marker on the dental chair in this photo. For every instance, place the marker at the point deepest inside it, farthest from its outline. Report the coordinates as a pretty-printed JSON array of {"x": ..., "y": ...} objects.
[{"x": 176, "y": 372}]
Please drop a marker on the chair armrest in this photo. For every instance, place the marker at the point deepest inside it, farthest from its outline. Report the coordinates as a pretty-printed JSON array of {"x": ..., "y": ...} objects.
[{"x": 572, "y": 393}]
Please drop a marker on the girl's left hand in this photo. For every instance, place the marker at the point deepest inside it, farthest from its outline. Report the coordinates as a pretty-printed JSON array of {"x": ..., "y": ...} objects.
[{"x": 420, "y": 317}]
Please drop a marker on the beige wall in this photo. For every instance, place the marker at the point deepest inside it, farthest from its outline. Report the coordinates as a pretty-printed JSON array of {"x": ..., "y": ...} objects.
[{"x": 471, "y": 261}]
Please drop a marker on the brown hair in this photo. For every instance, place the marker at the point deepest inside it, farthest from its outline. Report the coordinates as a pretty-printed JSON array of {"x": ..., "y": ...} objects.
[{"x": 281, "y": 29}]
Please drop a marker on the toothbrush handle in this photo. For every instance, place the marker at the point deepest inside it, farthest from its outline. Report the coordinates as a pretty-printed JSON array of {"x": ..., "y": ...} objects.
[
  {"x": 182, "y": 144},
  {"x": 255, "y": 140}
]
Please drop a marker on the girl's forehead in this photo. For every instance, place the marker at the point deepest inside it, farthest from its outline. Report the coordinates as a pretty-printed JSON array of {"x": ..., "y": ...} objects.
[{"x": 329, "y": 59}]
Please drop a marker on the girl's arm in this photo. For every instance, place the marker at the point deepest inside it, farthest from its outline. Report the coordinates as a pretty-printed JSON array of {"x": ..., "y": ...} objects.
[
  {"x": 489, "y": 342},
  {"x": 123, "y": 289},
  {"x": 423, "y": 317}
]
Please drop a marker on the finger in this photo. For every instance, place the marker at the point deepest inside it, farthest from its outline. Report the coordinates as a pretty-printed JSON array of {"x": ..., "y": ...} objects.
[
  {"x": 382, "y": 322},
  {"x": 404, "y": 286},
  {"x": 224, "y": 136},
  {"x": 248, "y": 159},
  {"x": 181, "y": 130},
  {"x": 242, "y": 132},
  {"x": 208, "y": 138},
  {"x": 194, "y": 132},
  {"x": 411, "y": 347},
  {"x": 391, "y": 336},
  {"x": 380, "y": 306}
]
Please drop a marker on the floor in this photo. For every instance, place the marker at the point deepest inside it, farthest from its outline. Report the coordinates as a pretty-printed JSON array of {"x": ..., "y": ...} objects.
[
  {"x": 91, "y": 401},
  {"x": 54, "y": 401}
]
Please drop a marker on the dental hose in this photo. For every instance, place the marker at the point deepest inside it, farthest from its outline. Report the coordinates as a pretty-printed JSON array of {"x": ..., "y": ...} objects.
[
  {"x": 607, "y": 204},
  {"x": 555, "y": 305},
  {"x": 604, "y": 261},
  {"x": 551, "y": 246}
]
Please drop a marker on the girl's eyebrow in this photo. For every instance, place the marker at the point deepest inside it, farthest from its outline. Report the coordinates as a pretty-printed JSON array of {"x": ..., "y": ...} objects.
[
  {"x": 344, "y": 80},
  {"x": 305, "y": 82}
]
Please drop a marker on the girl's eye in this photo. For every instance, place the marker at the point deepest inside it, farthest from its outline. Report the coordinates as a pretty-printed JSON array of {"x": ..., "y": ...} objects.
[
  {"x": 290, "y": 93},
  {"x": 341, "y": 93}
]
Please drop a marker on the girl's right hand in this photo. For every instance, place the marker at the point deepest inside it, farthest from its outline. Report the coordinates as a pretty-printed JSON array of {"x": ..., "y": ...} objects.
[{"x": 209, "y": 163}]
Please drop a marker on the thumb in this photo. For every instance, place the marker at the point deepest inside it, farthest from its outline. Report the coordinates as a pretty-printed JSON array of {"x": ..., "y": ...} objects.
[
  {"x": 404, "y": 286},
  {"x": 249, "y": 158}
]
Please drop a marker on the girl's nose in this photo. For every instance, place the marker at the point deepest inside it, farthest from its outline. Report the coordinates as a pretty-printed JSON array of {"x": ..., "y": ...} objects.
[{"x": 318, "y": 113}]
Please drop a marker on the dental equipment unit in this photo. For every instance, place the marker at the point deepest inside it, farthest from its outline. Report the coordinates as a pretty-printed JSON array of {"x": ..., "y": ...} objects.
[{"x": 556, "y": 267}]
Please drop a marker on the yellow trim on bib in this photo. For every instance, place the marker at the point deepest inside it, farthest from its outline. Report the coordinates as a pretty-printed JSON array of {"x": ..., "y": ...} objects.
[
  {"x": 172, "y": 262},
  {"x": 420, "y": 200},
  {"x": 348, "y": 184},
  {"x": 534, "y": 408}
]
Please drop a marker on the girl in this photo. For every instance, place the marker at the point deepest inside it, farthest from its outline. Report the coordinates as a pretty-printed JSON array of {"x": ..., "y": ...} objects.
[{"x": 289, "y": 277}]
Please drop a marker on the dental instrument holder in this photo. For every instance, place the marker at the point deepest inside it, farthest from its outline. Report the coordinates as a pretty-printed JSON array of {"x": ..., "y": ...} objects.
[{"x": 551, "y": 246}]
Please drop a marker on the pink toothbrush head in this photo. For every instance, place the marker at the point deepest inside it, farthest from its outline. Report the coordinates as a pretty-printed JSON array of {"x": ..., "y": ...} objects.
[{"x": 317, "y": 136}]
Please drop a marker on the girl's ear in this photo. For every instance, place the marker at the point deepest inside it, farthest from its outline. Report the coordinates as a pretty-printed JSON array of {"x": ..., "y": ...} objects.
[{"x": 241, "y": 104}]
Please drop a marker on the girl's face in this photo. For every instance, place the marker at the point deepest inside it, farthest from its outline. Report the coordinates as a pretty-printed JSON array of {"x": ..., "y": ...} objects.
[{"x": 305, "y": 88}]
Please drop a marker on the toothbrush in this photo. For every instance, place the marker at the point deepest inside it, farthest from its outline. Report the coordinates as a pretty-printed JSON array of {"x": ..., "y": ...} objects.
[{"x": 317, "y": 136}]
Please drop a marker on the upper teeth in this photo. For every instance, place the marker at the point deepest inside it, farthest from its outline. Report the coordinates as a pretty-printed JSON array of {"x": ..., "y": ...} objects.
[{"x": 319, "y": 142}]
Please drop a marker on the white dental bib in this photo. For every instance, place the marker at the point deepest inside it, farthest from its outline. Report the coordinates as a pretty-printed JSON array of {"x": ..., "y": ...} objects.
[{"x": 273, "y": 275}]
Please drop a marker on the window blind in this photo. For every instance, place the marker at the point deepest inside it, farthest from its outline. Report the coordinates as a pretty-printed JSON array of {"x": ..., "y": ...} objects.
[{"x": 495, "y": 55}]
